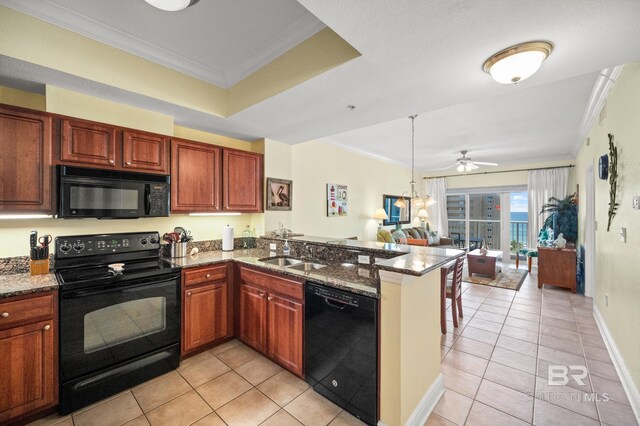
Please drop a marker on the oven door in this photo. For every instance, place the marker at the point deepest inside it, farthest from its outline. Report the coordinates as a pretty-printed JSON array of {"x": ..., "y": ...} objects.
[
  {"x": 103, "y": 326},
  {"x": 104, "y": 198}
]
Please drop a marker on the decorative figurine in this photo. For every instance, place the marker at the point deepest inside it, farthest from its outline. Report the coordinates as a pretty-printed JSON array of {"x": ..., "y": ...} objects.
[
  {"x": 484, "y": 250},
  {"x": 560, "y": 242}
]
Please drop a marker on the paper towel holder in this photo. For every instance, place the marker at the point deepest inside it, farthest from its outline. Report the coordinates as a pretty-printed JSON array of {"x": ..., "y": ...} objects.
[{"x": 227, "y": 238}]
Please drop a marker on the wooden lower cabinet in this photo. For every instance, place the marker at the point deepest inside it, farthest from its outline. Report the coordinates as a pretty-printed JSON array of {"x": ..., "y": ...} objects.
[
  {"x": 28, "y": 350},
  {"x": 252, "y": 317},
  {"x": 285, "y": 320},
  {"x": 271, "y": 322},
  {"x": 557, "y": 267},
  {"x": 206, "y": 307}
]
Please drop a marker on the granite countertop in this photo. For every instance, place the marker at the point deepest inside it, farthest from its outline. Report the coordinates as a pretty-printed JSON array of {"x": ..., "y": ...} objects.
[
  {"x": 420, "y": 260},
  {"x": 359, "y": 279},
  {"x": 19, "y": 284}
]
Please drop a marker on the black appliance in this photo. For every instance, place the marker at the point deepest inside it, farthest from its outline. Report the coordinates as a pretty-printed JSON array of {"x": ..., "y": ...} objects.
[
  {"x": 341, "y": 349},
  {"x": 119, "y": 327},
  {"x": 108, "y": 194}
]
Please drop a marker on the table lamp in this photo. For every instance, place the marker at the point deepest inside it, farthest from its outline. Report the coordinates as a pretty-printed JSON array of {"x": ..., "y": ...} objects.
[
  {"x": 423, "y": 215},
  {"x": 381, "y": 215}
]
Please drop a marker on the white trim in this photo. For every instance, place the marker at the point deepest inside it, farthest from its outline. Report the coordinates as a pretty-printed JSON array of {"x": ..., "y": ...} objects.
[
  {"x": 629, "y": 386},
  {"x": 270, "y": 49},
  {"x": 302, "y": 29},
  {"x": 427, "y": 403},
  {"x": 601, "y": 89},
  {"x": 346, "y": 146}
]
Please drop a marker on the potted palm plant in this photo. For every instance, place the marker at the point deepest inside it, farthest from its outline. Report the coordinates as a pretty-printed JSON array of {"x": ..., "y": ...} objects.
[{"x": 563, "y": 217}]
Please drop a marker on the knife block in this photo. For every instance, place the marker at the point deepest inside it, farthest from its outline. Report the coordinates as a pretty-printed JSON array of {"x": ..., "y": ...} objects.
[{"x": 39, "y": 267}]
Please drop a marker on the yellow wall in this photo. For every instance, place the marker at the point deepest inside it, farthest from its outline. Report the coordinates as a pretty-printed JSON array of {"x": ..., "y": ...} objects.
[
  {"x": 319, "y": 53},
  {"x": 617, "y": 266},
  {"x": 22, "y": 99},
  {"x": 278, "y": 164},
  {"x": 78, "y": 105},
  {"x": 315, "y": 164}
]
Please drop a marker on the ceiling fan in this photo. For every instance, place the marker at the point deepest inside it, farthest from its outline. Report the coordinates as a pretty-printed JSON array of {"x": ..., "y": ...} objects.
[{"x": 465, "y": 164}]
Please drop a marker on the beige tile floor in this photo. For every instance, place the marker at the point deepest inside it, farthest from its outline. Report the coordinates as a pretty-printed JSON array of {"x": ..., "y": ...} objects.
[
  {"x": 494, "y": 367},
  {"x": 495, "y": 363},
  {"x": 228, "y": 385}
]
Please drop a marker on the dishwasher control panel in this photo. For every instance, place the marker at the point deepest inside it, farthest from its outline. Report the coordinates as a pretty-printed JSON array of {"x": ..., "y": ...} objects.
[{"x": 337, "y": 296}]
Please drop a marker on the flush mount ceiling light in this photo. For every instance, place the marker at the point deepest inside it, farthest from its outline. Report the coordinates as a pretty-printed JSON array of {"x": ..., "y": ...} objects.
[
  {"x": 172, "y": 5},
  {"x": 517, "y": 63}
]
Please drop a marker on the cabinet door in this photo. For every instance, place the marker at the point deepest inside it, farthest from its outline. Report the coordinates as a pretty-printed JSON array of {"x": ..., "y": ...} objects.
[
  {"x": 205, "y": 315},
  {"x": 284, "y": 329},
  {"x": 27, "y": 373},
  {"x": 25, "y": 162},
  {"x": 90, "y": 144},
  {"x": 242, "y": 181},
  {"x": 253, "y": 317},
  {"x": 195, "y": 177},
  {"x": 146, "y": 152}
]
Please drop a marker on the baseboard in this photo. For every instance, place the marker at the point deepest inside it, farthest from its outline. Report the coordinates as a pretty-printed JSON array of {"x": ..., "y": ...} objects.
[
  {"x": 629, "y": 386},
  {"x": 427, "y": 403}
]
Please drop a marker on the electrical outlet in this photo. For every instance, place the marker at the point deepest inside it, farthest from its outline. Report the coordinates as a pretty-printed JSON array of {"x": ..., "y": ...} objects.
[
  {"x": 606, "y": 300},
  {"x": 364, "y": 259},
  {"x": 636, "y": 202},
  {"x": 273, "y": 246}
]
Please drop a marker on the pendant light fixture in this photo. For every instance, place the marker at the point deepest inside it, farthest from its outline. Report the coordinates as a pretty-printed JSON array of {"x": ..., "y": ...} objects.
[
  {"x": 172, "y": 5},
  {"x": 417, "y": 201},
  {"x": 517, "y": 63}
]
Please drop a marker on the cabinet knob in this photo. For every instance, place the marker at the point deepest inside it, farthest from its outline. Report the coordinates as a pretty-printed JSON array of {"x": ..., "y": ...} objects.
[
  {"x": 47, "y": 327},
  {"x": 269, "y": 298},
  {"x": 128, "y": 163},
  {"x": 188, "y": 293},
  {"x": 261, "y": 294},
  {"x": 112, "y": 161},
  {"x": 4, "y": 314},
  {"x": 208, "y": 275}
]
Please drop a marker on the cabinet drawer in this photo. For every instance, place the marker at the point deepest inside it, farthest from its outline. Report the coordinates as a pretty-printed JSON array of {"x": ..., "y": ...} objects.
[
  {"x": 203, "y": 275},
  {"x": 26, "y": 310},
  {"x": 271, "y": 282}
]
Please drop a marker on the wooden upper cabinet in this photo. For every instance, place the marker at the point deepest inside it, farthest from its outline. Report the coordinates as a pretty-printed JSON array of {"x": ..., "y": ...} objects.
[
  {"x": 25, "y": 161},
  {"x": 89, "y": 143},
  {"x": 242, "y": 178},
  {"x": 195, "y": 177},
  {"x": 285, "y": 319},
  {"x": 146, "y": 152}
]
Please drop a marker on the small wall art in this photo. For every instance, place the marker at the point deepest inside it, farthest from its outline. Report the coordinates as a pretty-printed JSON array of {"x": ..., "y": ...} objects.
[
  {"x": 279, "y": 193},
  {"x": 337, "y": 200}
]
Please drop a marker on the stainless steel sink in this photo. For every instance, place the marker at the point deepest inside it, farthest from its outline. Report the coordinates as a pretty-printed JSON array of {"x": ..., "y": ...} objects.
[
  {"x": 307, "y": 266},
  {"x": 281, "y": 261}
]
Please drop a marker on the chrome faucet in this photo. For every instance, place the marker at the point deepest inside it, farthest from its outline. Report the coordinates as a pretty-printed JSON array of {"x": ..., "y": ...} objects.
[{"x": 308, "y": 250}]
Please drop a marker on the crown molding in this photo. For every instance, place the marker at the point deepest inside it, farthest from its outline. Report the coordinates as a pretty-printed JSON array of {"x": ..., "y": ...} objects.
[
  {"x": 98, "y": 31},
  {"x": 340, "y": 144},
  {"x": 303, "y": 28},
  {"x": 599, "y": 94}
]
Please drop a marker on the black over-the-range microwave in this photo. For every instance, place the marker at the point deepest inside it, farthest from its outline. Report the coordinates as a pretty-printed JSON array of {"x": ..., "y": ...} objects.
[{"x": 108, "y": 194}]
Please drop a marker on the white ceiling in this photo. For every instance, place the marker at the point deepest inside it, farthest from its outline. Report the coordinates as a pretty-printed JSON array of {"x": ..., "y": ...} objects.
[
  {"x": 219, "y": 41},
  {"x": 418, "y": 57}
]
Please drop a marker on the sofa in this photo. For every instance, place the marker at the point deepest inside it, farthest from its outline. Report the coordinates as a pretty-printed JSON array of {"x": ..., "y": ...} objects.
[{"x": 415, "y": 236}]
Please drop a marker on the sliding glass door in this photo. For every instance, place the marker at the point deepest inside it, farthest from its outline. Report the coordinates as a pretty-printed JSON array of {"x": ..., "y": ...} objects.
[{"x": 497, "y": 218}]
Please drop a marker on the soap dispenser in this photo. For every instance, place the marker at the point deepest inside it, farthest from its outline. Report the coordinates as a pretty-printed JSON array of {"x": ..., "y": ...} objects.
[{"x": 286, "y": 250}]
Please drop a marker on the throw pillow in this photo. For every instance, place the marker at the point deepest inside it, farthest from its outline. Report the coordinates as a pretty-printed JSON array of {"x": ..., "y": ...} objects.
[
  {"x": 422, "y": 233},
  {"x": 384, "y": 236},
  {"x": 433, "y": 237},
  {"x": 413, "y": 234},
  {"x": 399, "y": 237}
]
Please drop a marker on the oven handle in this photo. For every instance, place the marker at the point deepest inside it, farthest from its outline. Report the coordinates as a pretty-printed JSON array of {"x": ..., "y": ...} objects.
[{"x": 124, "y": 289}]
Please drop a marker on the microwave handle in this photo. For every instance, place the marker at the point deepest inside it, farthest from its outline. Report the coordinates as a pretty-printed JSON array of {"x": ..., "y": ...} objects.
[{"x": 147, "y": 199}]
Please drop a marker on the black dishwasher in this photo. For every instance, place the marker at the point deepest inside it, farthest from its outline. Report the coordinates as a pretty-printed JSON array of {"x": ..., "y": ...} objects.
[{"x": 341, "y": 348}]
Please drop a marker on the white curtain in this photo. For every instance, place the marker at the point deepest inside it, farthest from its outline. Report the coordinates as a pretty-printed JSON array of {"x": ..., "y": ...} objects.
[
  {"x": 438, "y": 220},
  {"x": 542, "y": 185}
]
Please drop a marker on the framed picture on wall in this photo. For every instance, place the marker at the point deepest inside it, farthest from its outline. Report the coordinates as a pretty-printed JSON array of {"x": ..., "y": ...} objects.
[
  {"x": 279, "y": 192},
  {"x": 337, "y": 200}
]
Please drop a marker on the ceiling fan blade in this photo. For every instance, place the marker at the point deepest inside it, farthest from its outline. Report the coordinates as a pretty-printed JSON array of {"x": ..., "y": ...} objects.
[
  {"x": 485, "y": 164},
  {"x": 471, "y": 166}
]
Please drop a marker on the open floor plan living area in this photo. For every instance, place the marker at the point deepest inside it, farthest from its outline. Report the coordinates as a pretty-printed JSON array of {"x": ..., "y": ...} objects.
[{"x": 319, "y": 212}]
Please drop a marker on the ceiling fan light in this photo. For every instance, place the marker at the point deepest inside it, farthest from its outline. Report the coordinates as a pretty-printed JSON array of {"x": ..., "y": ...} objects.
[
  {"x": 460, "y": 168},
  {"x": 172, "y": 5},
  {"x": 517, "y": 63}
]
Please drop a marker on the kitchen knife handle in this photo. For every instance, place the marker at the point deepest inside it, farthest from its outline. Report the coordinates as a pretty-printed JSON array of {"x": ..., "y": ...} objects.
[{"x": 33, "y": 239}]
